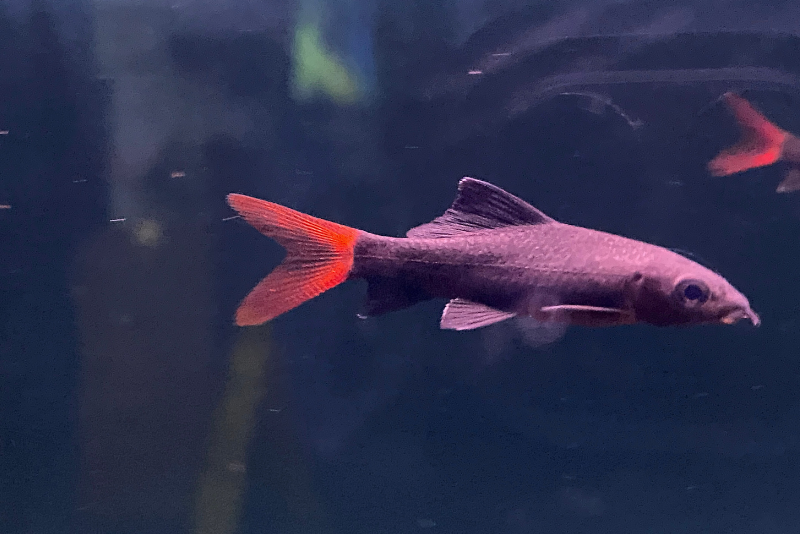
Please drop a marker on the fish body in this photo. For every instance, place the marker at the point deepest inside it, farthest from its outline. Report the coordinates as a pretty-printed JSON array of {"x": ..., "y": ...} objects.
[
  {"x": 762, "y": 144},
  {"x": 493, "y": 256}
]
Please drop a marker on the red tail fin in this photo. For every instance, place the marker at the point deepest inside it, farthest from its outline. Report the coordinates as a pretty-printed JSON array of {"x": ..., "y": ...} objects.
[
  {"x": 319, "y": 256},
  {"x": 761, "y": 143}
]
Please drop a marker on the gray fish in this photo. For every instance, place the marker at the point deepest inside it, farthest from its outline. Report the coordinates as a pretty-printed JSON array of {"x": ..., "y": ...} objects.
[{"x": 493, "y": 256}]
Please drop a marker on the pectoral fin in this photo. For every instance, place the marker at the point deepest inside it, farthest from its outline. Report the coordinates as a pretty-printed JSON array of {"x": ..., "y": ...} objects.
[
  {"x": 587, "y": 315},
  {"x": 460, "y": 314}
]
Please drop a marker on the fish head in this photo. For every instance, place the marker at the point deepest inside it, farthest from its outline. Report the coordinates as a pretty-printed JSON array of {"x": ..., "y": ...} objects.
[{"x": 678, "y": 291}]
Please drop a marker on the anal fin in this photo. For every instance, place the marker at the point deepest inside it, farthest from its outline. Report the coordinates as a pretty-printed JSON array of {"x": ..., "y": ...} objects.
[
  {"x": 461, "y": 314},
  {"x": 386, "y": 295}
]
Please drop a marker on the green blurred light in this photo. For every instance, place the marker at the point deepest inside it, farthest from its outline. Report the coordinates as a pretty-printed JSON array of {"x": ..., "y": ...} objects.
[{"x": 316, "y": 69}]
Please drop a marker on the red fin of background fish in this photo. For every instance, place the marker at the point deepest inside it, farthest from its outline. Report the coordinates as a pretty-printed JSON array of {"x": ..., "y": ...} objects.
[
  {"x": 790, "y": 182},
  {"x": 479, "y": 205},
  {"x": 319, "y": 256},
  {"x": 461, "y": 314},
  {"x": 761, "y": 143}
]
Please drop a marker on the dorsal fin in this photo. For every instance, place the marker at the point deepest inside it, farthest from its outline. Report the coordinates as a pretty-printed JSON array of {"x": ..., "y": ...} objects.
[{"x": 479, "y": 206}]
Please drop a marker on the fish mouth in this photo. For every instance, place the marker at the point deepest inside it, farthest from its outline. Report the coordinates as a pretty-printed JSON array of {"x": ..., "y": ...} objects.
[{"x": 739, "y": 314}]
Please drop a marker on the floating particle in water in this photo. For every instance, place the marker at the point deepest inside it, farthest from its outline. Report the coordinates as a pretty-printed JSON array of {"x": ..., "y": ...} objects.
[
  {"x": 237, "y": 467},
  {"x": 149, "y": 233},
  {"x": 426, "y": 523}
]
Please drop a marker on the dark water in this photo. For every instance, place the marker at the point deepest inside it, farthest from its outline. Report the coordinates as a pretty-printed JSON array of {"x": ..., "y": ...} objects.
[{"x": 129, "y": 403}]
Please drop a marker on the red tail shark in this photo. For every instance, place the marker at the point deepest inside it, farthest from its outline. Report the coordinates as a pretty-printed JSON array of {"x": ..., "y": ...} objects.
[{"x": 494, "y": 256}]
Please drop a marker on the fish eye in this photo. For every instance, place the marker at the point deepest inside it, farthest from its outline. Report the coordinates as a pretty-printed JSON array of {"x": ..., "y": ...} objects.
[{"x": 693, "y": 291}]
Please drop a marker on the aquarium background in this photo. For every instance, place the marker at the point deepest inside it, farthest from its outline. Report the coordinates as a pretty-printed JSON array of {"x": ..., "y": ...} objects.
[{"x": 130, "y": 403}]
